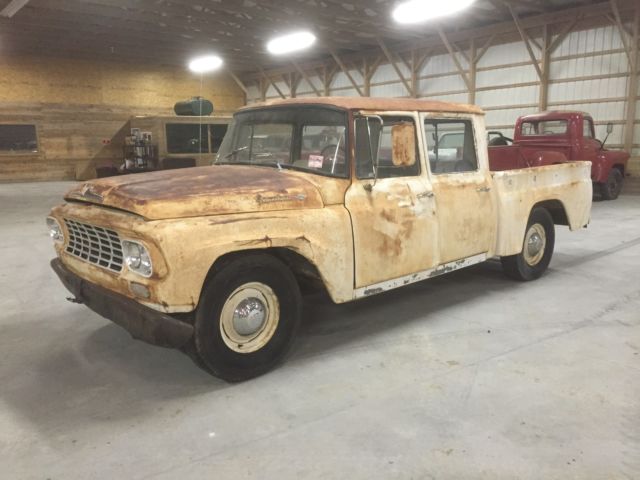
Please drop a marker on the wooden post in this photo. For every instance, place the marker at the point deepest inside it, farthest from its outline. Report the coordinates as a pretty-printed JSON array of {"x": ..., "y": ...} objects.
[
  {"x": 473, "y": 67},
  {"x": 543, "y": 95},
  {"x": 632, "y": 94}
]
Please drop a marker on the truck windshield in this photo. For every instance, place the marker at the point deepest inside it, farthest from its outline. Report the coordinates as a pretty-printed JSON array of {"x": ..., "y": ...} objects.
[{"x": 304, "y": 138}]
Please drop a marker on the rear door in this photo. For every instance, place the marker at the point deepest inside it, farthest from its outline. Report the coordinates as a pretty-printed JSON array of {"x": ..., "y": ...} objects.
[{"x": 461, "y": 182}]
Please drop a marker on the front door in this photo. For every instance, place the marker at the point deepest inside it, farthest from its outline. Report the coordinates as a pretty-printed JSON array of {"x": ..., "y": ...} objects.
[
  {"x": 461, "y": 183},
  {"x": 394, "y": 225}
]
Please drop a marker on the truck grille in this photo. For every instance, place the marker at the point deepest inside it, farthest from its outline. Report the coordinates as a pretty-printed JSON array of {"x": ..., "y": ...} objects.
[{"x": 96, "y": 245}]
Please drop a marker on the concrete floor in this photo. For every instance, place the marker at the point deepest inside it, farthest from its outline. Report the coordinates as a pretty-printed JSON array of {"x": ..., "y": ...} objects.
[{"x": 469, "y": 375}]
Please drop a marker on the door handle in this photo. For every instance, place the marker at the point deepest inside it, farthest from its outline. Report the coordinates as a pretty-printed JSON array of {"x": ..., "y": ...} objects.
[
  {"x": 483, "y": 189},
  {"x": 425, "y": 195}
]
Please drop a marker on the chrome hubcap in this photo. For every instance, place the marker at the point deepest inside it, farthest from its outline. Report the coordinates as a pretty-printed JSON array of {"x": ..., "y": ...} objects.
[
  {"x": 535, "y": 242},
  {"x": 249, "y": 317}
]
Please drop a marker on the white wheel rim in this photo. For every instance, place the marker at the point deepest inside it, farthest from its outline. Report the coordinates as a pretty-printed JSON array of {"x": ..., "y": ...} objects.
[
  {"x": 535, "y": 242},
  {"x": 249, "y": 317}
]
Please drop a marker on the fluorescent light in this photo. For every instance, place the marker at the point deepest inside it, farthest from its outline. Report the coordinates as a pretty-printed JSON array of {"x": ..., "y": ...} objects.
[
  {"x": 415, "y": 11},
  {"x": 291, "y": 42},
  {"x": 204, "y": 64}
]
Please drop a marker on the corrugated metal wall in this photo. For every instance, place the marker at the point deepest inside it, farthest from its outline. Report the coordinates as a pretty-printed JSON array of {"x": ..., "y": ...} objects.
[{"x": 588, "y": 71}]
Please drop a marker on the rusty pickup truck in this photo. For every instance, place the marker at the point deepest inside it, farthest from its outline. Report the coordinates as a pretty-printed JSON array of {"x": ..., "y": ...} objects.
[{"x": 339, "y": 194}]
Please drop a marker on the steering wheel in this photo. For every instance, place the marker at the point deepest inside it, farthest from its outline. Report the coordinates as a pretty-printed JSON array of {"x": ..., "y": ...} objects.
[{"x": 329, "y": 152}]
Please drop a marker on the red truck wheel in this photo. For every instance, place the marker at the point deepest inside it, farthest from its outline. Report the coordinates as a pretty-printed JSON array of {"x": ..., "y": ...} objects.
[
  {"x": 612, "y": 187},
  {"x": 537, "y": 248},
  {"x": 247, "y": 319}
]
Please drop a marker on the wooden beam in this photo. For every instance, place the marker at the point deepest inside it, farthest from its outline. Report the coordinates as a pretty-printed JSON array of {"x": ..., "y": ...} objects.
[
  {"x": 543, "y": 94},
  {"x": 272, "y": 83},
  {"x": 393, "y": 63},
  {"x": 622, "y": 32},
  {"x": 526, "y": 40},
  {"x": 562, "y": 35},
  {"x": 12, "y": 8},
  {"x": 632, "y": 94},
  {"x": 453, "y": 55},
  {"x": 346, "y": 72},
  {"x": 239, "y": 82},
  {"x": 306, "y": 78}
]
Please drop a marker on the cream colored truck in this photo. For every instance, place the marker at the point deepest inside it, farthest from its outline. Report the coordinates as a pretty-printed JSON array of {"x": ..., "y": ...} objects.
[{"x": 342, "y": 194}]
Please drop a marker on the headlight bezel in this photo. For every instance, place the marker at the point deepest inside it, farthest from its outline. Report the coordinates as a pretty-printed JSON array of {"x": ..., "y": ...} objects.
[
  {"x": 137, "y": 258},
  {"x": 56, "y": 233}
]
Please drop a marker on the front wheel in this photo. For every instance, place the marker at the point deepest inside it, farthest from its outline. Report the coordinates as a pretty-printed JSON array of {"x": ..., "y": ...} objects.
[
  {"x": 613, "y": 186},
  {"x": 537, "y": 248},
  {"x": 247, "y": 318}
]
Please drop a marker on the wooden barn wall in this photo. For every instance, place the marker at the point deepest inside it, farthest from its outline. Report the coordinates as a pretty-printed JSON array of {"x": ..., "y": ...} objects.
[{"x": 81, "y": 109}]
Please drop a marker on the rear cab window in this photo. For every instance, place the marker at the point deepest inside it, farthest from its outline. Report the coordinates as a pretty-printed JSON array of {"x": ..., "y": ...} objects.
[
  {"x": 451, "y": 146},
  {"x": 544, "y": 127}
]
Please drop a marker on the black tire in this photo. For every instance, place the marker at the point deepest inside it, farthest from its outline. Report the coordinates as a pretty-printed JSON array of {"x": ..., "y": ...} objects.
[
  {"x": 612, "y": 187},
  {"x": 517, "y": 266},
  {"x": 210, "y": 342}
]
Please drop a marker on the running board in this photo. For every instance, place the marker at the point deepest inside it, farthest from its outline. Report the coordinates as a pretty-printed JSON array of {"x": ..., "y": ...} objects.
[{"x": 418, "y": 276}]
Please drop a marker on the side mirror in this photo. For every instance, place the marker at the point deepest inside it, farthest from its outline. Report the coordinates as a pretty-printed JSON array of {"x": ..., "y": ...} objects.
[
  {"x": 609, "y": 128},
  {"x": 403, "y": 140}
]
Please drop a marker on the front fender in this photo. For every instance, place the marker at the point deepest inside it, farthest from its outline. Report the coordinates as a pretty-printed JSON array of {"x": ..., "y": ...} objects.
[{"x": 191, "y": 246}]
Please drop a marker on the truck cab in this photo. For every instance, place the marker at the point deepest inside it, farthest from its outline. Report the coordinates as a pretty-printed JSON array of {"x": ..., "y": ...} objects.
[{"x": 554, "y": 137}]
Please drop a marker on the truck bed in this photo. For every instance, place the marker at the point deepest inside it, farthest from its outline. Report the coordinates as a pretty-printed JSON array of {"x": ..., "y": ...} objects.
[{"x": 564, "y": 189}]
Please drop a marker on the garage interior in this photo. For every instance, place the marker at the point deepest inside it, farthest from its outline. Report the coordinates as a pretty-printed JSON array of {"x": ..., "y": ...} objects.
[{"x": 469, "y": 375}]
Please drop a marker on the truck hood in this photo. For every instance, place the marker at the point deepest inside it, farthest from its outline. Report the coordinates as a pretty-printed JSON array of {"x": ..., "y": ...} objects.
[{"x": 201, "y": 191}]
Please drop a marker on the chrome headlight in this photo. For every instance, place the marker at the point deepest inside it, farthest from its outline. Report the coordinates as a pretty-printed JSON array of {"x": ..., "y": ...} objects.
[
  {"x": 137, "y": 258},
  {"x": 55, "y": 230}
]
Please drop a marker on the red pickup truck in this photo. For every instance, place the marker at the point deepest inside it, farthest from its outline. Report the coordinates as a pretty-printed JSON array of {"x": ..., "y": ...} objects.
[{"x": 556, "y": 137}]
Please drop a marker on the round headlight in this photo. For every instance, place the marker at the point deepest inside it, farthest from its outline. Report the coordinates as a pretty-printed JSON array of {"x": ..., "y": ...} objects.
[
  {"x": 137, "y": 258},
  {"x": 55, "y": 230}
]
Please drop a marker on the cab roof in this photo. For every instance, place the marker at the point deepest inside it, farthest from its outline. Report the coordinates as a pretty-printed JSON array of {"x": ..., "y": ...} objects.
[
  {"x": 375, "y": 104},
  {"x": 554, "y": 115}
]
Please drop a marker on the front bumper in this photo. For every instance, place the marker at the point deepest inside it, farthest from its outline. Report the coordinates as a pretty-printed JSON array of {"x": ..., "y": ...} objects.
[{"x": 143, "y": 323}]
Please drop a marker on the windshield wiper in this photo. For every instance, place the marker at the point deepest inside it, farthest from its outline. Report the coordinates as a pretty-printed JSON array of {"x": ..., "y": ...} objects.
[{"x": 234, "y": 152}]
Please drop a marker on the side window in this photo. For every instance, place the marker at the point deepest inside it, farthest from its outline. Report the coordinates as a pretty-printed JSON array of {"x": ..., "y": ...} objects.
[
  {"x": 451, "y": 146},
  {"x": 587, "y": 128},
  {"x": 387, "y": 167}
]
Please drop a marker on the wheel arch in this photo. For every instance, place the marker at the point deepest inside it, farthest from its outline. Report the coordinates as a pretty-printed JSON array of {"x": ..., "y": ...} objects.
[
  {"x": 304, "y": 270},
  {"x": 556, "y": 209}
]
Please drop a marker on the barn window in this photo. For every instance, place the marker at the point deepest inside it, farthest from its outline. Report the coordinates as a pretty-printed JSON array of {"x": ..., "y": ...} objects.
[{"x": 18, "y": 139}]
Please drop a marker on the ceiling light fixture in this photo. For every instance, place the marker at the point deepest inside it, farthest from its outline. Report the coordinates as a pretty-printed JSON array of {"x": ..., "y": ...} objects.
[
  {"x": 415, "y": 11},
  {"x": 204, "y": 64},
  {"x": 292, "y": 42}
]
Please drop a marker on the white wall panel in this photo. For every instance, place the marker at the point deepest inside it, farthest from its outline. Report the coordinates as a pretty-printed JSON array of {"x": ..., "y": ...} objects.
[
  {"x": 341, "y": 80},
  {"x": 450, "y": 83},
  {"x": 390, "y": 90},
  {"x": 605, "y": 64},
  {"x": 386, "y": 73},
  {"x": 508, "y": 96},
  {"x": 588, "y": 89},
  {"x": 506, "y": 76},
  {"x": 504, "y": 54}
]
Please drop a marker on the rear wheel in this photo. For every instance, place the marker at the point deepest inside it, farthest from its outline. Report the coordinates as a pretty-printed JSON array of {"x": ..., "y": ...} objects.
[
  {"x": 247, "y": 318},
  {"x": 612, "y": 187},
  {"x": 537, "y": 248}
]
